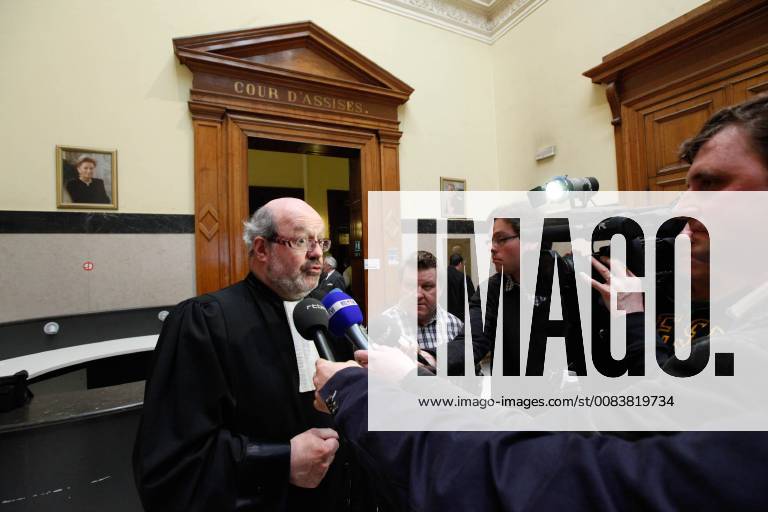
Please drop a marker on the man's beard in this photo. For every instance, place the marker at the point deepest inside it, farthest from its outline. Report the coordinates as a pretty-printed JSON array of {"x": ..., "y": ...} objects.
[{"x": 294, "y": 287}]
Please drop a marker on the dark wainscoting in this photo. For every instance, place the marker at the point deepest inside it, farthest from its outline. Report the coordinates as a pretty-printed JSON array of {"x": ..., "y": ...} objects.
[{"x": 18, "y": 222}]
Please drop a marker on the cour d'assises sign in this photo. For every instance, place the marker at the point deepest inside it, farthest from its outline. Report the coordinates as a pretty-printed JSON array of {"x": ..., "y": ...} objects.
[{"x": 298, "y": 97}]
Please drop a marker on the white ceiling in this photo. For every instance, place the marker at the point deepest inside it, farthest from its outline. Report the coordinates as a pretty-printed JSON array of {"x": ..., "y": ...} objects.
[{"x": 484, "y": 20}]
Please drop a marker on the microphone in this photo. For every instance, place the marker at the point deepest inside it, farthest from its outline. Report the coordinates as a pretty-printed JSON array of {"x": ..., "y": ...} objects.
[
  {"x": 346, "y": 318},
  {"x": 311, "y": 320}
]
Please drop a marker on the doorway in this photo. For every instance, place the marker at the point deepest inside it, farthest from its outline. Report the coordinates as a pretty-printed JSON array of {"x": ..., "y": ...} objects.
[
  {"x": 327, "y": 178},
  {"x": 295, "y": 83}
]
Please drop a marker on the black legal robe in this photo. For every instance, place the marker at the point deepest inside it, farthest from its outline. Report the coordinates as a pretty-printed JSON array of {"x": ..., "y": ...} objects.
[
  {"x": 221, "y": 406},
  {"x": 456, "y": 282}
]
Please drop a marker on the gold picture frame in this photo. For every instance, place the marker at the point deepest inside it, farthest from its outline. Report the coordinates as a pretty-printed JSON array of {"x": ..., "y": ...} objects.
[
  {"x": 452, "y": 202},
  {"x": 86, "y": 178}
]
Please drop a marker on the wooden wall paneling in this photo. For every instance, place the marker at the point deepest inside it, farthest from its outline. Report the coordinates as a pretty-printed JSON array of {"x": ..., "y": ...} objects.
[
  {"x": 211, "y": 198},
  {"x": 631, "y": 144},
  {"x": 614, "y": 102},
  {"x": 390, "y": 142},
  {"x": 373, "y": 173},
  {"x": 750, "y": 85},
  {"x": 669, "y": 182},
  {"x": 719, "y": 48},
  {"x": 666, "y": 127}
]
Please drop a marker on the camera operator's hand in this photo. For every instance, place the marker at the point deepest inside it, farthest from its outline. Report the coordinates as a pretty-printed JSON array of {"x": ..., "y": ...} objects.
[{"x": 629, "y": 302}]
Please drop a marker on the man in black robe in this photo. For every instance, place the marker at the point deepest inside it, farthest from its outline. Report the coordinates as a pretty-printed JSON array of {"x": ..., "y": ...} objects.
[{"x": 228, "y": 422}]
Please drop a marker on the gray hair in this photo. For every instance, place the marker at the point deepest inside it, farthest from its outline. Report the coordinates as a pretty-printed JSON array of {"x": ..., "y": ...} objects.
[
  {"x": 330, "y": 260},
  {"x": 260, "y": 224}
]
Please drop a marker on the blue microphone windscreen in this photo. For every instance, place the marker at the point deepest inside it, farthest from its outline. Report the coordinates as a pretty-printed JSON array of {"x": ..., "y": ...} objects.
[{"x": 343, "y": 310}]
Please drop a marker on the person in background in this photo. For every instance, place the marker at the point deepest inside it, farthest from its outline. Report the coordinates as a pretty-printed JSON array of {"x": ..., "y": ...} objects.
[
  {"x": 457, "y": 278},
  {"x": 329, "y": 279},
  {"x": 428, "y": 312},
  {"x": 505, "y": 256}
]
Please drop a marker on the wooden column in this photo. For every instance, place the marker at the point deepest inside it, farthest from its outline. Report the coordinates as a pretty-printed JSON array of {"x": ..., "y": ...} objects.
[{"x": 211, "y": 196}]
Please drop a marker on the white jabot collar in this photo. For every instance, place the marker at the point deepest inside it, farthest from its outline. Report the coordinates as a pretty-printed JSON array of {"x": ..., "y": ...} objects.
[{"x": 306, "y": 353}]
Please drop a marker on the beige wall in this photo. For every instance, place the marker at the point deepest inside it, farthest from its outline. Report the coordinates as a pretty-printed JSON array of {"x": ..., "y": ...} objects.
[
  {"x": 541, "y": 98},
  {"x": 102, "y": 74}
]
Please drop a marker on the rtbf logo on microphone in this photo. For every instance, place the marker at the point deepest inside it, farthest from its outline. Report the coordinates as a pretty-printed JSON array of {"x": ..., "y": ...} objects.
[{"x": 592, "y": 310}]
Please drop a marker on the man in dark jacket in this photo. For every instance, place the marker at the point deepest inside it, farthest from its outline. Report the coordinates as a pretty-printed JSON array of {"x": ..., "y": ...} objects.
[
  {"x": 505, "y": 256},
  {"x": 457, "y": 279},
  {"x": 330, "y": 279}
]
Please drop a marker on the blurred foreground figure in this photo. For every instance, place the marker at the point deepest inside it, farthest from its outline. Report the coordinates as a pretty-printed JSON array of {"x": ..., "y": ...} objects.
[{"x": 550, "y": 471}]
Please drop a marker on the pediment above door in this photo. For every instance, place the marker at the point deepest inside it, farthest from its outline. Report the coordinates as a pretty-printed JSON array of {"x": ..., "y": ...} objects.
[{"x": 297, "y": 65}]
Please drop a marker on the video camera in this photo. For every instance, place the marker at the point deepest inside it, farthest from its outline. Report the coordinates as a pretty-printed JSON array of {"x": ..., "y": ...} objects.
[{"x": 616, "y": 222}]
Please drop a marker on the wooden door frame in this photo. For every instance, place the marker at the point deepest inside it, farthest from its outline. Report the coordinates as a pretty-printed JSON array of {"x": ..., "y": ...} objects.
[
  {"x": 239, "y": 128},
  {"x": 335, "y": 98}
]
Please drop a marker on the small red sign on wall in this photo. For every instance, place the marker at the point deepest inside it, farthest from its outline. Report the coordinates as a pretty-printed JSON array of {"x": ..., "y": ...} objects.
[{"x": 88, "y": 266}]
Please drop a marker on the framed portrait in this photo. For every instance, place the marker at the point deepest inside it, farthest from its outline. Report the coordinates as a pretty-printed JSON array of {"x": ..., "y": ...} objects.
[
  {"x": 86, "y": 178},
  {"x": 452, "y": 201}
]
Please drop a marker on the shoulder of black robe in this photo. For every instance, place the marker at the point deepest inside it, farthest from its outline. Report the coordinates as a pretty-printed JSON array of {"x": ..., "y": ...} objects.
[
  {"x": 514, "y": 471},
  {"x": 183, "y": 458},
  {"x": 221, "y": 405},
  {"x": 248, "y": 412}
]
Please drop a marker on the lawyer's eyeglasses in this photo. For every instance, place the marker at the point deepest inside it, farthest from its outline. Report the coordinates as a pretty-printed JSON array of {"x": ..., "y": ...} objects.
[{"x": 302, "y": 244}]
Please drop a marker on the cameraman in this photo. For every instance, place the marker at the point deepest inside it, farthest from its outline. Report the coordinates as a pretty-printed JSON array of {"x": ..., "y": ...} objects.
[
  {"x": 527, "y": 470},
  {"x": 505, "y": 255}
]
